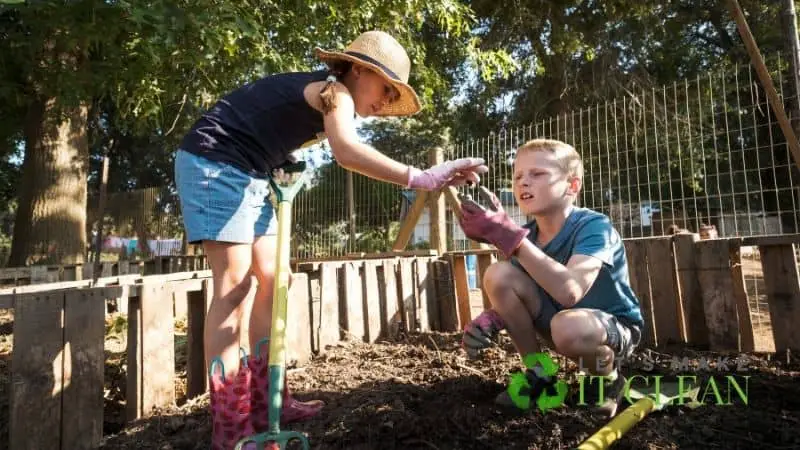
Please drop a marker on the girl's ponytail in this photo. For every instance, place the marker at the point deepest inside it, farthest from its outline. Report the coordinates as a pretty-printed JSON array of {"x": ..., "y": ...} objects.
[
  {"x": 328, "y": 95},
  {"x": 337, "y": 70}
]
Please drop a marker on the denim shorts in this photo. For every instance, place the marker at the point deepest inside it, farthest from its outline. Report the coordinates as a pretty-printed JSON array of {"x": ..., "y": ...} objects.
[{"x": 219, "y": 202}]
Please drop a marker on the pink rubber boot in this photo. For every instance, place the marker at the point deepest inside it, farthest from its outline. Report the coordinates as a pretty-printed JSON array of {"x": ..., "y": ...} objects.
[
  {"x": 292, "y": 409},
  {"x": 230, "y": 406}
]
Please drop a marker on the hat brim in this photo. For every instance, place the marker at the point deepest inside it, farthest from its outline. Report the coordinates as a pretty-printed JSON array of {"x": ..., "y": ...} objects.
[{"x": 407, "y": 104}]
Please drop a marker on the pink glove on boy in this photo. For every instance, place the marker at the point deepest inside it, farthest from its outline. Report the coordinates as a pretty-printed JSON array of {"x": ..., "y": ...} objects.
[
  {"x": 492, "y": 227},
  {"x": 448, "y": 173}
]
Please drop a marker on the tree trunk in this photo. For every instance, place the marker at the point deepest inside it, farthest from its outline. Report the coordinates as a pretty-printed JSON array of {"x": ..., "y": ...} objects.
[{"x": 51, "y": 221}]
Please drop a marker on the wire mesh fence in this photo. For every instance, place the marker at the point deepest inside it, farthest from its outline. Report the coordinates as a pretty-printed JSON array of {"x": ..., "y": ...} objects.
[
  {"x": 703, "y": 151},
  {"x": 707, "y": 151}
]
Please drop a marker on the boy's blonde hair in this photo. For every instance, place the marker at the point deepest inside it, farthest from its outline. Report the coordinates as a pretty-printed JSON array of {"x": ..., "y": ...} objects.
[{"x": 567, "y": 157}]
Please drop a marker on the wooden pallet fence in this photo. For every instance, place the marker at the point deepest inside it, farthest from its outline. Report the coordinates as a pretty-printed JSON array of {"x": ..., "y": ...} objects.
[
  {"x": 57, "y": 369},
  {"x": 58, "y": 356}
]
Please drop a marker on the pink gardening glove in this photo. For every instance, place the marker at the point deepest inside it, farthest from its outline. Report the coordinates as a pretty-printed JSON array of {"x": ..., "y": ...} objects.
[
  {"x": 449, "y": 173},
  {"x": 479, "y": 333},
  {"x": 493, "y": 227}
]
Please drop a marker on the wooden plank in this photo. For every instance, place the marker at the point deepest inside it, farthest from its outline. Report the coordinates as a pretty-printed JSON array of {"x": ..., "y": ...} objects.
[
  {"x": 133, "y": 381},
  {"x": 315, "y": 299},
  {"x": 664, "y": 291},
  {"x": 152, "y": 384},
  {"x": 636, "y": 254},
  {"x": 391, "y": 320},
  {"x": 107, "y": 270},
  {"x": 434, "y": 315},
  {"x": 719, "y": 302},
  {"x": 198, "y": 303},
  {"x": 328, "y": 333},
  {"x": 422, "y": 283},
  {"x": 15, "y": 273},
  {"x": 39, "y": 275},
  {"x": 407, "y": 300},
  {"x": 37, "y": 373},
  {"x": 298, "y": 317},
  {"x": 747, "y": 338},
  {"x": 464, "y": 308},
  {"x": 353, "y": 306},
  {"x": 410, "y": 221},
  {"x": 446, "y": 294},
  {"x": 783, "y": 294},
  {"x": 132, "y": 279},
  {"x": 484, "y": 261},
  {"x": 693, "y": 317},
  {"x": 372, "y": 302},
  {"x": 84, "y": 337},
  {"x": 769, "y": 240}
]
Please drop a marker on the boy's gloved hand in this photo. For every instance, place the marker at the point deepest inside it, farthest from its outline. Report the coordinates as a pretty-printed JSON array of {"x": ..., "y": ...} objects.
[
  {"x": 492, "y": 227},
  {"x": 449, "y": 173},
  {"x": 479, "y": 333}
]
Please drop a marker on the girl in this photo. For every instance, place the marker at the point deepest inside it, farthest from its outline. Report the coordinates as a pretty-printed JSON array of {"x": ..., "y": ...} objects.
[{"x": 221, "y": 172}]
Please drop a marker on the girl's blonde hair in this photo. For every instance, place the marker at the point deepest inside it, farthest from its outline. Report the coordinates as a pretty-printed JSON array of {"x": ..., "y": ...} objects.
[
  {"x": 567, "y": 157},
  {"x": 337, "y": 70}
]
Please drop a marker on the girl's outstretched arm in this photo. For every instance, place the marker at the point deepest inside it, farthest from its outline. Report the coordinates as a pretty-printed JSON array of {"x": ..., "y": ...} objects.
[{"x": 354, "y": 155}]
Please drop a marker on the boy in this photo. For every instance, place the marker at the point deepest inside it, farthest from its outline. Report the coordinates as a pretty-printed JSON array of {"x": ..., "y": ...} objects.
[{"x": 567, "y": 275}]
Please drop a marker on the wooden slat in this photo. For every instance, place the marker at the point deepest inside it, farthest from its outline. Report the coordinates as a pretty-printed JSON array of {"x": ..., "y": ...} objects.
[
  {"x": 694, "y": 319},
  {"x": 664, "y": 291},
  {"x": 329, "y": 306},
  {"x": 315, "y": 299},
  {"x": 132, "y": 279},
  {"x": 434, "y": 315},
  {"x": 783, "y": 294},
  {"x": 484, "y": 261},
  {"x": 636, "y": 253},
  {"x": 154, "y": 349},
  {"x": 424, "y": 294},
  {"x": 198, "y": 303},
  {"x": 719, "y": 301},
  {"x": 464, "y": 308},
  {"x": 133, "y": 382},
  {"x": 298, "y": 316},
  {"x": 353, "y": 301},
  {"x": 84, "y": 333},
  {"x": 446, "y": 296},
  {"x": 372, "y": 302},
  {"x": 407, "y": 300},
  {"x": 747, "y": 338},
  {"x": 769, "y": 240},
  {"x": 410, "y": 221},
  {"x": 37, "y": 372},
  {"x": 391, "y": 320}
]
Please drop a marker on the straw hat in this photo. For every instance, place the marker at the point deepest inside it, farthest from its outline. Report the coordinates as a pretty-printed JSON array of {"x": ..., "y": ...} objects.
[{"x": 384, "y": 55}]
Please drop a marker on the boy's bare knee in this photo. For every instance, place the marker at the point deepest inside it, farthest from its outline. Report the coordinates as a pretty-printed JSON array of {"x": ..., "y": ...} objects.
[
  {"x": 498, "y": 282},
  {"x": 575, "y": 333}
]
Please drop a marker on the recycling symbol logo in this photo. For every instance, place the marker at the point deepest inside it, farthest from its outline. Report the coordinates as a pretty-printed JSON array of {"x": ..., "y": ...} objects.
[{"x": 538, "y": 384}]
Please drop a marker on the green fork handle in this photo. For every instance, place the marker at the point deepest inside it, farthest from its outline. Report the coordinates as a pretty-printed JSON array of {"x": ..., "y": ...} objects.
[{"x": 277, "y": 341}]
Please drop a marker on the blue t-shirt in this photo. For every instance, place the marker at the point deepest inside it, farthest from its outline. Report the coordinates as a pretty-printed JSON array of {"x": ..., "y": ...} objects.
[{"x": 588, "y": 232}]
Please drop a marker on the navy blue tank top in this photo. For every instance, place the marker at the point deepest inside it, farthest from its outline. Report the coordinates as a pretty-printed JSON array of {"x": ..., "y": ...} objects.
[{"x": 257, "y": 126}]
